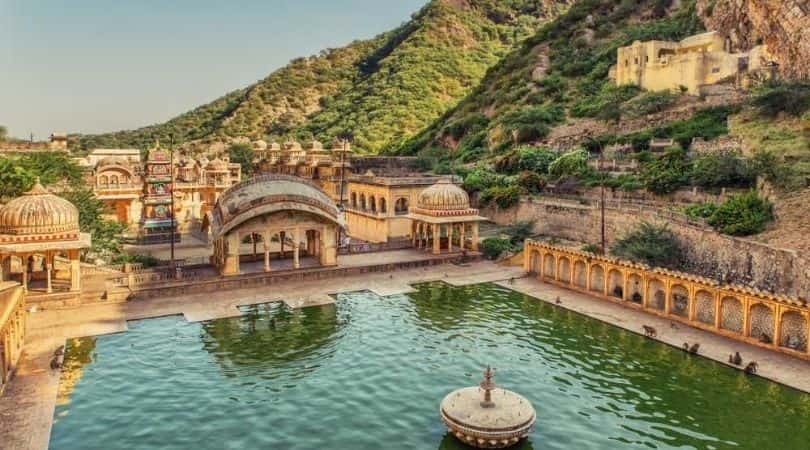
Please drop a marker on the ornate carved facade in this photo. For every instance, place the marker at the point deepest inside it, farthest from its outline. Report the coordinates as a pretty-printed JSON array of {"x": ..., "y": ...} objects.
[{"x": 771, "y": 321}]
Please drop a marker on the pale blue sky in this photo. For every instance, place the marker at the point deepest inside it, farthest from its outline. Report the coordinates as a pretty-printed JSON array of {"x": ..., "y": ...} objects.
[{"x": 103, "y": 65}]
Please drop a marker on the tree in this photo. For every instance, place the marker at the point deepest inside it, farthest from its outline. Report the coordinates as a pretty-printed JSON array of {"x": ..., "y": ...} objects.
[
  {"x": 52, "y": 167},
  {"x": 105, "y": 233},
  {"x": 14, "y": 179},
  {"x": 650, "y": 244},
  {"x": 724, "y": 169},
  {"x": 3, "y": 133},
  {"x": 243, "y": 154}
]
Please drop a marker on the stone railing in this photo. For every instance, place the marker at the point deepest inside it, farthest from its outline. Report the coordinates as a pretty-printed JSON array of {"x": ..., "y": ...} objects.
[
  {"x": 369, "y": 247},
  {"x": 771, "y": 321}
]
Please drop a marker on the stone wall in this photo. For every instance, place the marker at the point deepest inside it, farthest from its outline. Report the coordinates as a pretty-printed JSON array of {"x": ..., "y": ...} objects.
[{"x": 711, "y": 254}]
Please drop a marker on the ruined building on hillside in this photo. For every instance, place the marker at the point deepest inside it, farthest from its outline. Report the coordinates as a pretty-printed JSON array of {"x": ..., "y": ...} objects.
[{"x": 691, "y": 64}]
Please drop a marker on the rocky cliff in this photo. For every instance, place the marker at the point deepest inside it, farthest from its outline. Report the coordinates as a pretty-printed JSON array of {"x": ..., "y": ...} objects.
[{"x": 784, "y": 25}]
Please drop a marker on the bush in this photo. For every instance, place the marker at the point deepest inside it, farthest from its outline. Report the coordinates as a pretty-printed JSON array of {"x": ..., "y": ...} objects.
[
  {"x": 666, "y": 173},
  {"x": 503, "y": 196},
  {"x": 650, "y": 244},
  {"x": 481, "y": 178},
  {"x": 604, "y": 104},
  {"x": 532, "y": 123},
  {"x": 573, "y": 163},
  {"x": 532, "y": 182},
  {"x": 136, "y": 258},
  {"x": 724, "y": 169},
  {"x": 774, "y": 97},
  {"x": 592, "y": 248},
  {"x": 536, "y": 159},
  {"x": 701, "y": 211},
  {"x": 650, "y": 103},
  {"x": 777, "y": 172},
  {"x": 742, "y": 215},
  {"x": 520, "y": 231},
  {"x": 493, "y": 247}
]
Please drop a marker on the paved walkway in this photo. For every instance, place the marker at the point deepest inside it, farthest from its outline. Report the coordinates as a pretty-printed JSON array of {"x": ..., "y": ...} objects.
[{"x": 27, "y": 407}]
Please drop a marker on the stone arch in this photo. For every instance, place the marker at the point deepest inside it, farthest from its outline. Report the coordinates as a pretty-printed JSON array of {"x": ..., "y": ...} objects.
[
  {"x": 580, "y": 274},
  {"x": 597, "y": 278},
  {"x": 564, "y": 269},
  {"x": 354, "y": 199},
  {"x": 635, "y": 288},
  {"x": 383, "y": 205},
  {"x": 794, "y": 331},
  {"x": 680, "y": 300},
  {"x": 548, "y": 263},
  {"x": 731, "y": 314},
  {"x": 534, "y": 262},
  {"x": 372, "y": 203},
  {"x": 705, "y": 308},
  {"x": 762, "y": 322},
  {"x": 363, "y": 204},
  {"x": 656, "y": 294},
  {"x": 616, "y": 283}
]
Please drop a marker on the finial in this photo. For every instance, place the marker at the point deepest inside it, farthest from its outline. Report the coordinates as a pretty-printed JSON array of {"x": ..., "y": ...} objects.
[{"x": 488, "y": 386}]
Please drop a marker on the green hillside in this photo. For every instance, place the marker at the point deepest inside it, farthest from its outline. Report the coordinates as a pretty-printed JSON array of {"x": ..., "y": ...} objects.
[
  {"x": 516, "y": 103},
  {"x": 382, "y": 90}
]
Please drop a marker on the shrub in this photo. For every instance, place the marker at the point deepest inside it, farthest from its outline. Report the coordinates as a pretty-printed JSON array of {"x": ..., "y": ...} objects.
[
  {"x": 493, "y": 247},
  {"x": 520, "y": 231},
  {"x": 724, "y": 169},
  {"x": 136, "y": 258},
  {"x": 573, "y": 163},
  {"x": 650, "y": 103},
  {"x": 774, "y": 97},
  {"x": 604, "y": 104},
  {"x": 532, "y": 182},
  {"x": 776, "y": 171},
  {"x": 701, "y": 211},
  {"x": 532, "y": 123},
  {"x": 481, "y": 178},
  {"x": 666, "y": 173},
  {"x": 503, "y": 196},
  {"x": 650, "y": 244},
  {"x": 592, "y": 248},
  {"x": 536, "y": 159},
  {"x": 742, "y": 215}
]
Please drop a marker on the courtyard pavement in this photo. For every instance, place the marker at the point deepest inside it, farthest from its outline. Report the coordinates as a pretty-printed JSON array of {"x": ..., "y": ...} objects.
[{"x": 27, "y": 406}]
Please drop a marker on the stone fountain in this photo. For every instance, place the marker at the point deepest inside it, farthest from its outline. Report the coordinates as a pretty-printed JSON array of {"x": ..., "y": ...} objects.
[{"x": 486, "y": 416}]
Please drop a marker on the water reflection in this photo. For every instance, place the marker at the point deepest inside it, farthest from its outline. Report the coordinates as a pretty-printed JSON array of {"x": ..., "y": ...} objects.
[
  {"x": 271, "y": 335},
  {"x": 78, "y": 353}
]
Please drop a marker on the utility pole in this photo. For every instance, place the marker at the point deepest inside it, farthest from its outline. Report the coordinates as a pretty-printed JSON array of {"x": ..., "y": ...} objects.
[
  {"x": 171, "y": 195},
  {"x": 601, "y": 190}
]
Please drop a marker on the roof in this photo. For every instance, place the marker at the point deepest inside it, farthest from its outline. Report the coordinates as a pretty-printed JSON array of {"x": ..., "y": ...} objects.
[{"x": 268, "y": 194}]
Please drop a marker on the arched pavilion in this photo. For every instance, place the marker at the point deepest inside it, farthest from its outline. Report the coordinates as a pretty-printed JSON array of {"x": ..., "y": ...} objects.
[
  {"x": 40, "y": 241},
  {"x": 444, "y": 220},
  {"x": 283, "y": 214}
]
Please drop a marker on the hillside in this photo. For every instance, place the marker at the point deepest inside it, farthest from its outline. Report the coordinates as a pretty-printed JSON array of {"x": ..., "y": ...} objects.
[{"x": 382, "y": 90}]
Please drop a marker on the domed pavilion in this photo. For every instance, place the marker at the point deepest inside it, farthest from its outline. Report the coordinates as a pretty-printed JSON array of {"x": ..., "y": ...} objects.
[
  {"x": 40, "y": 241},
  {"x": 443, "y": 219}
]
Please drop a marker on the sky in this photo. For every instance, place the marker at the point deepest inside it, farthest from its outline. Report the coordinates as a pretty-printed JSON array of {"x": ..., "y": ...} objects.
[{"x": 88, "y": 66}]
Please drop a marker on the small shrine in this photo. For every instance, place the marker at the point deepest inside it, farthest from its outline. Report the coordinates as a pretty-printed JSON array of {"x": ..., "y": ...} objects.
[{"x": 486, "y": 416}]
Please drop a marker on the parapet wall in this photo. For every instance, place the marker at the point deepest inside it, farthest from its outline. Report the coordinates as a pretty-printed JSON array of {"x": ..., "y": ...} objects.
[
  {"x": 710, "y": 254},
  {"x": 775, "y": 322}
]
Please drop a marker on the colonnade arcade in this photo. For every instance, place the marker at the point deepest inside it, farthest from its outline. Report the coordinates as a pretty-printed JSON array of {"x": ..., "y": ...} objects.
[
  {"x": 452, "y": 236},
  {"x": 773, "y": 321},
  {"x": 12, "y": 329},
  {"x": 43, "y": 270}
]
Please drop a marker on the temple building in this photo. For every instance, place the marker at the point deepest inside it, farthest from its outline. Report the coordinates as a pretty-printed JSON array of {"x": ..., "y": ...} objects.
[
  {"x": 292, "y": 221},
  {"x": 378, "y": 205},
  {"x": 40, "y": 242},
  {"x": 696, "y": 61},
  {"x": 326, "y": 168},
  {"x": 136, "y": 192},
  {"x": 443, "y": 219}
]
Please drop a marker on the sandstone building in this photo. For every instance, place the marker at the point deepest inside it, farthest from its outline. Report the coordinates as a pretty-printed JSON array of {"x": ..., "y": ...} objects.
[{"x": 692, "y": 63}]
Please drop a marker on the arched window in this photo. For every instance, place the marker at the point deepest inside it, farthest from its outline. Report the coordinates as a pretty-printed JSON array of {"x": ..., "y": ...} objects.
[
  {"x": 401, "y": 206},
  {"x": 372, "y": 203},
  {"x": 383, "y": 206},
  {"x": 354, "y": 199},
  {"x": 363, "y": 201},
  {"x": 103, "y": 180}
]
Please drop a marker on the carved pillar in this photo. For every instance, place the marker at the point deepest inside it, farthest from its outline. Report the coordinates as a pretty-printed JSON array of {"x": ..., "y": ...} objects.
[
  {"x": 692, "y": 302},
  {"x": 48, "y": 270},
  {"x": 668, "y": 296},
  {"x": 777, "y": 329},
  {"x": 437, "y": 239},
  {"x": 266, "y": 241},
  {"x": 718, "y": 313},
  {"x": 746, "y": 304},
  {"x": 296, "y": 245},
  {"x": 463, "y": 240},
  {"x": 449, "y": 238},
  {"x": 231, "y": 255}
]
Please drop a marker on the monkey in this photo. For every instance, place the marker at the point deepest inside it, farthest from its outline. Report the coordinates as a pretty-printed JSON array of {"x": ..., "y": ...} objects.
[
  {"x": 650, "y": 331},
  {"x": 558, "y": 301},
  {"x": 694, "y": 349},
  {"x": 765, "y": 339},
  {"x": 736, "y": 359},
  {"x": 751, "y": 368}
]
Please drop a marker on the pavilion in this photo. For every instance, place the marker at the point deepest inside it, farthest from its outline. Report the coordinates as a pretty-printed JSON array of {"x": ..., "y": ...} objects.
[
  {"x": 443, "y": 218},
  {"x": 40, "y": 241}
]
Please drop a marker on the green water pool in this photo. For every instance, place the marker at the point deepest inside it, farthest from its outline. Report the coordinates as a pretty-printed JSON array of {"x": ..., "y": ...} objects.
[{"x": 369, "y": 373}]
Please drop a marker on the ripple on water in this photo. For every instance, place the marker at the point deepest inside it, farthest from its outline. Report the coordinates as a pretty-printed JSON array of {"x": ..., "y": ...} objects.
[{"x": 368, "y": 373}]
